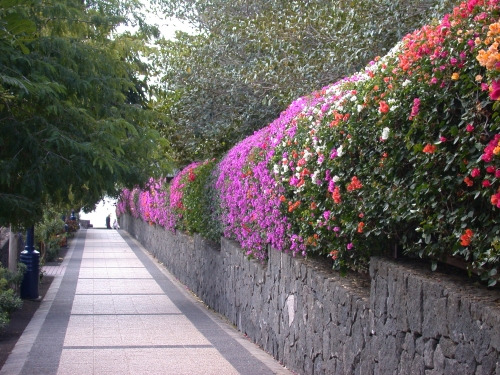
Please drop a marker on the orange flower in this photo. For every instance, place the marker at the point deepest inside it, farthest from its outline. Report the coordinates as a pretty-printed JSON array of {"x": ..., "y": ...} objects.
[
  {"x": 334, "y": 254},
  {"x": 313, "y": 206},
  {"x": 355, "y": 184},
  {"x": 292, "y": 207},
  {"x": 282, "y": 198},
  {"x": 465, "y": 239},
  {"x": 361, "y": 225},
  {"x": 455, "y": 76},
  {"x": 336, "y": 195},
  {"x": 429, "y": 149},
  {"x": 468, "y": 181}
]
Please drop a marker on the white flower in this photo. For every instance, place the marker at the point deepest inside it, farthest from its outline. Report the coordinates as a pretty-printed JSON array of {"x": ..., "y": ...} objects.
[
  {"x": 360, "y": 107},
  {"x": 314, "y": 177},
  {"x": 406, "y": 83},
  {"x": 307, "y": 155},
  {"x": 340, "y": 152},
  {"x": 385, "y": 133},
  {"x": 285, "y": 168},
  {"x": 335, "y": 178},
  {"x": 276, "y": 169}
]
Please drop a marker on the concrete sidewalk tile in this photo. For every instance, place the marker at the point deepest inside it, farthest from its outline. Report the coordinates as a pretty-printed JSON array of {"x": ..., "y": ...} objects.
[{"x": 124, "y": 316}]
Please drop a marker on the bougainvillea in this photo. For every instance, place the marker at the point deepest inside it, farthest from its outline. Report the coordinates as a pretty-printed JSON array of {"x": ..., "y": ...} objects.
[{"x": 402, "y": 155}]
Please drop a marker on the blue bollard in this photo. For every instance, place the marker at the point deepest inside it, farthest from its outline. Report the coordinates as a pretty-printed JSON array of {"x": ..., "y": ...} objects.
[{"x": 31, "y": 258}]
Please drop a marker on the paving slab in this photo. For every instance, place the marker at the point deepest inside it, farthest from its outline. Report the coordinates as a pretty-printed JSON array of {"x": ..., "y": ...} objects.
[{"x": 112, "y": 309}]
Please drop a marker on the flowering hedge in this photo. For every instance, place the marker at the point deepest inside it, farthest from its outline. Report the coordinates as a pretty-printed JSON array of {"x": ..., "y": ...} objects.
[{"x": 405, "y": 153}]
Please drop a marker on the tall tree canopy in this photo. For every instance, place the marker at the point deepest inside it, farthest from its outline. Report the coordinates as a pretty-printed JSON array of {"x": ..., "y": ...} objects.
[
  {"x": 251, "y": 58},
  {"x": 74, "y": 117}
]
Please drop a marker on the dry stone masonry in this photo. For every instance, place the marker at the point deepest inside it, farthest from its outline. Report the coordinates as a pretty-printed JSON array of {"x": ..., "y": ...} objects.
[{"x": 403, "y": 320}]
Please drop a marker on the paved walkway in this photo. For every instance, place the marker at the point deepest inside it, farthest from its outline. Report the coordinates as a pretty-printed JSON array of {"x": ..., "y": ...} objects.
[{"x": 114, "y": 310}]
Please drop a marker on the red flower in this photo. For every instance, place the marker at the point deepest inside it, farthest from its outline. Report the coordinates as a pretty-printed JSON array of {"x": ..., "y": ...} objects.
[
  {"x": 465, "y": 239},
  {"x": 429, "y": 149},
  {"x": 383, "y": 107},
  {"x": 469, "y": 128},
  {"x": 355, "y": 184},
  {"x": 486, "y": 183},
  {"x": 475, "y": 173}
]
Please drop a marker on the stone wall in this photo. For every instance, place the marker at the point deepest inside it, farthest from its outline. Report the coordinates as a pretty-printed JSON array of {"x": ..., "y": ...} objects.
[{"x": 403, "y": 320}]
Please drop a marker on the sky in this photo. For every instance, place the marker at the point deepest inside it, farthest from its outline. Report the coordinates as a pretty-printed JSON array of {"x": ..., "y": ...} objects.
[{"x": 98, "y": 217}]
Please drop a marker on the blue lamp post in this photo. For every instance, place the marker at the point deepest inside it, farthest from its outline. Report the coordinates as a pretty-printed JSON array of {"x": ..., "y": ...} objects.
[{"x": 31, "y": 258}]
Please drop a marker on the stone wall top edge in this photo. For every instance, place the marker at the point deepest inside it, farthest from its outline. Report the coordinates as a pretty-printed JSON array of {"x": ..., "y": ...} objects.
[
  {"x": 357, "y": 285},
  {"x": 451, "y": 283}
]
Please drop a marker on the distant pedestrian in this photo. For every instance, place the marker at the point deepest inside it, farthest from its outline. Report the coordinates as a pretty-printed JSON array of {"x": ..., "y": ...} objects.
[
  {"x": 115, "y": 225},
  {"x": 108, "y": 222}
]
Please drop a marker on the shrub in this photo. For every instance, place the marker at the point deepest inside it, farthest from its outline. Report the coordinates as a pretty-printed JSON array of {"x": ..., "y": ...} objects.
[
  {"x": 201, "y": 203},
  {"x": 9, "y": 287}
]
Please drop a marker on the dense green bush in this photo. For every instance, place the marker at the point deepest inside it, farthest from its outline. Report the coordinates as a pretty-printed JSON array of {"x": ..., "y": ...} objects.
[
  {"x": 49, "y": 234},
  {"x": 9, "y": 287},
  {"x": 201, "y": 204}
]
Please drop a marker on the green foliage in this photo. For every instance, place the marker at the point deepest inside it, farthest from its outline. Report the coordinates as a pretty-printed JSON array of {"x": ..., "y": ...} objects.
[
  {"x": 73, "y": 110},
  {"x": 49, "y": 234},
  {"x": 251, "y": 58},
  {"x": 9, "y": 287},
  {"x": 201, "y": 207}
]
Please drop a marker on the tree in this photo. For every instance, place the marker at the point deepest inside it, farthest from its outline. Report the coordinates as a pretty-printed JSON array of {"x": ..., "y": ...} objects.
[
  {"x": 251, "y": 58},
  {"x": 75, "y": 123}
]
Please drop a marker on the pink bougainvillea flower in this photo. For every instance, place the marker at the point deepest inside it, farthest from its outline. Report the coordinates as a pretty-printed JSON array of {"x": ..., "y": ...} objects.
[
  {"x": 495, "y": 90},
  {"x": 469, "y": 128},
  {"x": 475, "y": 172},
  {"x": 486, "y": 183}
]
